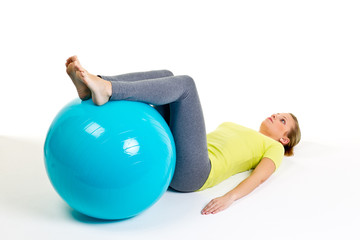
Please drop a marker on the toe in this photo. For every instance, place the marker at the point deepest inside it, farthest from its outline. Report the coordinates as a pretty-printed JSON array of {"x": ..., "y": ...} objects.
[
  {"x": 71, "y": 59},
  {"x": 78, "y": 66},
  {"x": 70, "y": 66}
]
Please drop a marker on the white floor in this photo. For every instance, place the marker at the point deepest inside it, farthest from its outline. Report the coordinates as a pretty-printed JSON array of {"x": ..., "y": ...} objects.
[
  {"x": 310, "y": 197},
  {"x": 249, "y": 59}
]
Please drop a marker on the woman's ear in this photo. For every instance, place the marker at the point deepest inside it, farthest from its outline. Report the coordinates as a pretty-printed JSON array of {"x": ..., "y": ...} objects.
[{"x": 284, "y": 140}]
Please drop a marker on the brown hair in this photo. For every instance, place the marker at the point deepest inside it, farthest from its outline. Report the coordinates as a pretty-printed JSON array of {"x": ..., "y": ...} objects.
[{"x": 294, "y": 135}]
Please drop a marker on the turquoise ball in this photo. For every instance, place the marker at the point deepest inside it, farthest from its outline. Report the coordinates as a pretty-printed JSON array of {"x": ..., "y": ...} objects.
[{"x": 112, "y": 161}]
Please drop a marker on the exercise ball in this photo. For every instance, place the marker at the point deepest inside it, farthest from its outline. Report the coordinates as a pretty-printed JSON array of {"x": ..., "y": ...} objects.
[{"x": 112, "y": 161}]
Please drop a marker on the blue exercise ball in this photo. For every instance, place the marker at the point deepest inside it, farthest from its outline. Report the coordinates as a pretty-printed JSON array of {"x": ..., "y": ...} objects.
[{"x": 109, "y": 162}]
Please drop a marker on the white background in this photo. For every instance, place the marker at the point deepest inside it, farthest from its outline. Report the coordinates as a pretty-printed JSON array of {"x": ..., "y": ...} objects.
[{"x": 249, "y": 59}]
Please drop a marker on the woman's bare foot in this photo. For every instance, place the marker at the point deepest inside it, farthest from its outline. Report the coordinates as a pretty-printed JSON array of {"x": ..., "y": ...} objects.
[
  {"x": 101, "y": 89},
  {"x": 72, "y": 68}
]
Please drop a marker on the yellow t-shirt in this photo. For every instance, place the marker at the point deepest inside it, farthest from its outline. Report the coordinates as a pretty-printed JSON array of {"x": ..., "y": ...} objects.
[{"x": 233, "y": 149}]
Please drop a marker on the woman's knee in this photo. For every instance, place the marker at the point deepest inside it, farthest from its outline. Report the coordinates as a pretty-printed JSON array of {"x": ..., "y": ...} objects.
[
  {"x": 188, "y": 81},
  {"x": 167, "y": 73},
  {"x": 188, "y": 84}
]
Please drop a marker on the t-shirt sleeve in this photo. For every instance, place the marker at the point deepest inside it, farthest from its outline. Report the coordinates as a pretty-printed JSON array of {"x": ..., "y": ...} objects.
[{"x": 276, "y": 153}]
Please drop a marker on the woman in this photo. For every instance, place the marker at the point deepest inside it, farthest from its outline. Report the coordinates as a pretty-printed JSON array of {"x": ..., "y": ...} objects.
[{"x": 202, "y": 161}]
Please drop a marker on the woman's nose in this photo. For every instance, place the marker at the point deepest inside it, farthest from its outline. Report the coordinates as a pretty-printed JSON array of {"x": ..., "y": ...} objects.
[{"x": 273, "y": 116}]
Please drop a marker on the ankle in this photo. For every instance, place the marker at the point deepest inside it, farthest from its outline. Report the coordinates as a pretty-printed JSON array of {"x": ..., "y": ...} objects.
[
  {"x": 107, "y": 84},
  {"x": 108, "y": 88}
]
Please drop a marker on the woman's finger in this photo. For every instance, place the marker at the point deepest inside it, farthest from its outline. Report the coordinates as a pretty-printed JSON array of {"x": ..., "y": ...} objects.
[
  {"x": 210, "y": 204},
  {"x": 213, "y": 208},
  {"x": 207, "y": 209}
]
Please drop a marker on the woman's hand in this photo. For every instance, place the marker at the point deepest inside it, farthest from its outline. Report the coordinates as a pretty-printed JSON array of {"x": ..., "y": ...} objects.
[
  {"x": 262, "y": 172},
  {"x": 218, "y": 204}
]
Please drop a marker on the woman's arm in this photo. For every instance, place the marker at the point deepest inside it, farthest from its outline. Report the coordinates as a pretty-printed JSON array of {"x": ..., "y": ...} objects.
[{"x": 263, "y": 171}]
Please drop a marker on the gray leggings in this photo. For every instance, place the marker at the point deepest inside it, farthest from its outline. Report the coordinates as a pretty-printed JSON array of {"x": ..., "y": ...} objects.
[{"x": 177, "y": 100}]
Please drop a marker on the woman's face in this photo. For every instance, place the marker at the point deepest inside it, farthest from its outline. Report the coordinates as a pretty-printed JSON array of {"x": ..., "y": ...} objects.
[{"x": 277, "y": 126}]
